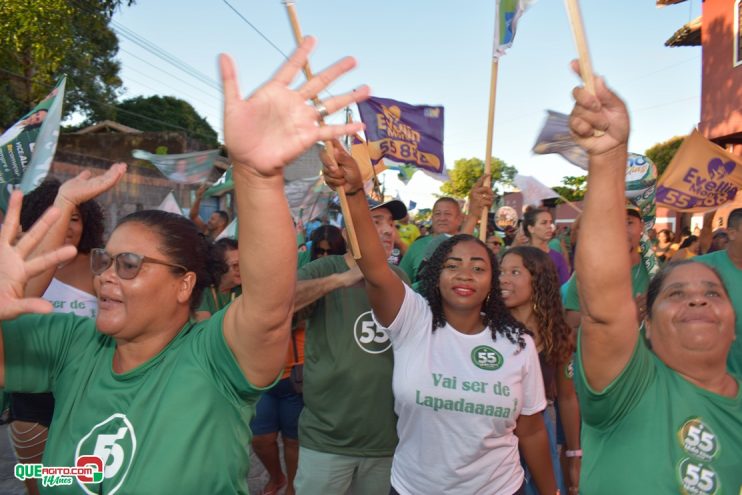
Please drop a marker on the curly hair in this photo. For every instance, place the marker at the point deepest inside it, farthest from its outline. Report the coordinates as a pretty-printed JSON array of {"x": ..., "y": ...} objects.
[
  {"x": 496, "y": 315},
  {"x": 40, "y": 199},
  {"x": 555, "y": 333}
]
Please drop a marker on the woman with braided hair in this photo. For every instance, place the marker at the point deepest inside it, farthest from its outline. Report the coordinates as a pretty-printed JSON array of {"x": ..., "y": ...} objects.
[
  {"x": 530, "y": 289},
  {"x": 467, "y": 383}
]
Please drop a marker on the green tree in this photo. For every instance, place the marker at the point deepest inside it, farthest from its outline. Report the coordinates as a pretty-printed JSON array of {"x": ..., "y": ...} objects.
[
  {"x": 466, "y": 171},
  {"x": 42, "y": 39},
  {"x": 573, "y": 187},
  {"x": 662, "y": 153},
  {"x": 165, "y": 113}
]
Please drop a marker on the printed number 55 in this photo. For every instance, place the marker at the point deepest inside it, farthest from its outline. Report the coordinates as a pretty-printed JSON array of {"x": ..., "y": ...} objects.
[{"x": 369, "y": 333}]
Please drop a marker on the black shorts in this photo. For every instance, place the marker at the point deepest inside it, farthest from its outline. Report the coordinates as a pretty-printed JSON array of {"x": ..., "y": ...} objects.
[{"x": 34, "y": 408}]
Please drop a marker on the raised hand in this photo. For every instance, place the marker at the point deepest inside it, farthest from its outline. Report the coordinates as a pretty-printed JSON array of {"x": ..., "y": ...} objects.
[
  {"x": 16, "y": 269},
  {"x": 275, "y": 124},
  {"x": 480, "y": 197},
  {"x": 604, "y": 112},
  {"x": 85, "y": 187},
  {"x": 343, "y": 171}
]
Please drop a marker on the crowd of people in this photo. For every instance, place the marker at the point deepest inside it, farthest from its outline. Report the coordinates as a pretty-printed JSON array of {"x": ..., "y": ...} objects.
[{"x": 512, "y": 366}]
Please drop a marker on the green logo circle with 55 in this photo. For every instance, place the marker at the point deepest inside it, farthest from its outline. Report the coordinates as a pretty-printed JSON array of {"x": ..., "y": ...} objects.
[{"x": 486, "y": 358}]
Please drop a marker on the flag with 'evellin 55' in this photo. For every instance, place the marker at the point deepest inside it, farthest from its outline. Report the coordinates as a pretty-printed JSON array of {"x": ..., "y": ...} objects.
[
  {"x": 404, "y": 133},
  {"x": 507, "y": 13}
]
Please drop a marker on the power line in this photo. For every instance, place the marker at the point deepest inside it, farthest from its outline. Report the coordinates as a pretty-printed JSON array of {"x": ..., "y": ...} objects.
[
  {"x": 256, "y": 29},
  {"x": 271, "y": 43},
  {"x": 219, "y": 99},
  {"x": 154, "y": 49},
  {"x": 109, "y": 105},
  {"x": 164, "y": 55}
]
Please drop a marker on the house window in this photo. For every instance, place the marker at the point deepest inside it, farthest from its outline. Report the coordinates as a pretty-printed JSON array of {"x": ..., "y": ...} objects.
[{"x": 737, "y": 33}]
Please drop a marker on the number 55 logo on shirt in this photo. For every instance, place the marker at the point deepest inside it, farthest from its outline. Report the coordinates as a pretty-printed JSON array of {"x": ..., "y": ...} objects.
[
  {"x": 369, "y": 336},
  {"x": 114, "y": 442}
]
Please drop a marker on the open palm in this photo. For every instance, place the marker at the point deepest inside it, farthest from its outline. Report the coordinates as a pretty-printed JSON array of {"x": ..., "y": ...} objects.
[
  {"x": 16, "y": 270},
  {"x": 275, "y": 124}
]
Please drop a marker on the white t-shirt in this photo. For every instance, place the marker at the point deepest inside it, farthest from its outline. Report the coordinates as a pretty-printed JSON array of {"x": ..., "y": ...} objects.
[
  {"x": 458, "y": 397},
  {"x": 68, "y": 299}
]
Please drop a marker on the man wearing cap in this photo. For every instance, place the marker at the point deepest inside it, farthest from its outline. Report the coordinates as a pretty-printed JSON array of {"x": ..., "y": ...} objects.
[
  {"x": 639, "y": 275},
  {"x": 347, "y": 430}
]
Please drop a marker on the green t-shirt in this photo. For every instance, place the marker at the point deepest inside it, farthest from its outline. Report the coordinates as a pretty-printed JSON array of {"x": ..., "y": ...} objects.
[
  {"x": 424, "y": 248},
  {"x": 178, "y": 423},
  {"x": 653, "y": 432},
  {"x": 213, "y": 304},
  {"x": 732, "y": 277},
  {"x": 348, "y": 361},
  {"x": 639, "y": 285},
  {"x": 414, "y": 256}
]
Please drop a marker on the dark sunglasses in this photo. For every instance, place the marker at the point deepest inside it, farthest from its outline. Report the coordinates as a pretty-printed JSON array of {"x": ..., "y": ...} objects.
[
  {"x": 320, "y": 252},
  {"x": 127, "y": 264}
]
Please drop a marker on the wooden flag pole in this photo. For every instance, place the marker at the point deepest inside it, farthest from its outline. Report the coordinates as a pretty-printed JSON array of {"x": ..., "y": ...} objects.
[
  {"x": 578, "y": 32},
  {"x": 355, "y": 249},
  {"x": 488, "y": 150}
]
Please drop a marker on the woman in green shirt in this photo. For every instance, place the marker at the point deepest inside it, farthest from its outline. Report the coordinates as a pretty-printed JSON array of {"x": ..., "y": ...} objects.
[
  {"x": 153, "y": 402},
  {"x": 667, "y": 420}
]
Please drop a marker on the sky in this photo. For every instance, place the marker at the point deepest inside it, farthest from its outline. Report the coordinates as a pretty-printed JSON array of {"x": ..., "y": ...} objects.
[{"x": 431, "y": 52}]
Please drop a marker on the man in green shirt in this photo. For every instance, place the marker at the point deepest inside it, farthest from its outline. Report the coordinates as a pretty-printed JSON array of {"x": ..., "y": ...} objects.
[
  {"x": 347, "y": 430},
  {"x": 728, "y": 262},
  {"x": 639, "y": 275}
]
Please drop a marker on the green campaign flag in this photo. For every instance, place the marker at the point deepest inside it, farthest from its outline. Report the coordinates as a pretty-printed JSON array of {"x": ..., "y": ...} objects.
[
  {"x": 224, "y": 184},
  {"x": 27, "y": 148}
]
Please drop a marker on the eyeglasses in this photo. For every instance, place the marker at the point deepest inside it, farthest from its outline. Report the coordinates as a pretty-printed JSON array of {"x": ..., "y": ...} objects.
[
  {"x": 127, "y": 264},
  {"x": 321, "y": 252}
]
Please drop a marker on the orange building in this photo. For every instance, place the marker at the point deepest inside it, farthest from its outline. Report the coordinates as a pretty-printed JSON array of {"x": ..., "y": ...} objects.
[{"x": 718, "y": 32}]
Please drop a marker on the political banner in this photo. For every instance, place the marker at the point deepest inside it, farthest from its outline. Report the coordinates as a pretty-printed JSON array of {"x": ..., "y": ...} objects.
[
  {"x": 27, "y": 148},
  {"x": 407, "y": 134},
  {"x": 507, "y": 14},
  {"x": 556, "y": 138},
  {"x": 701, "y": 177},
  {"x": 186, "y": 168},
  {"x": 222, "y": 184}
]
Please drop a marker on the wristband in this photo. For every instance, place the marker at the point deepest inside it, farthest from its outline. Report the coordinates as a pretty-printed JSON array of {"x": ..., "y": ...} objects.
[{"x": 573, "y": 453}]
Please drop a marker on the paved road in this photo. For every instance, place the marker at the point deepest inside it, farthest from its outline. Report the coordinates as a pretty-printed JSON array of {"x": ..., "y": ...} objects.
[{"x": 9, "y": 485}]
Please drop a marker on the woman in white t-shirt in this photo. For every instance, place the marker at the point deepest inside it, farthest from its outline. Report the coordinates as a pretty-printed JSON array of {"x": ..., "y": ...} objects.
[{"x": 467, "y": 381}]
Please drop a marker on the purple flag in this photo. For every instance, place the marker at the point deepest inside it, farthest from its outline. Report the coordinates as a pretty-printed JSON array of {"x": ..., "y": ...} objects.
[{"x": 404, "y": 133}]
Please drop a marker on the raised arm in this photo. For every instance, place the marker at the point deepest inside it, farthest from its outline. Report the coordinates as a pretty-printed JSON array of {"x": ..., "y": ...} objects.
[
  {"x": 263, "y": 134},
  {"x": 17, "y": 266},
  {"x": 71, "y": 194},
  {"x": 309, "y": 291},
  {"x": 384, "y": 288},
  {"x": 480, "y": 197},
  {"x": 609, "y": 321},
  {"x": 193, "y": 213}
]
